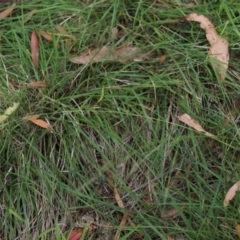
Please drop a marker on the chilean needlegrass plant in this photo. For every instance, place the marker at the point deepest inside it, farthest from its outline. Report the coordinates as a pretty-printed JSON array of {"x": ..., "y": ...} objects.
[{"x": 118, "y": 123}]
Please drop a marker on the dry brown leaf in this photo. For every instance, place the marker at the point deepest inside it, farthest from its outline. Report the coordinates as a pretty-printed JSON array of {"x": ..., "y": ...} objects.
[
  {"x": 108, "y": 53},
  {"x": 121, "y": 225},
  {"x": 178, "y": 177},
  {"x": 34, "y": 48},
  {"x": 125, "y": 216},
  {"x": 7, "y": 12},
  {"x": 118, "y": 198},
  {"x": 46, "y": 35},
  {"x": 64, "y": 32},
  {"x": 34, "y": 119},
  {"x": 218, "y": 50},
  {"x": 169, "y": 214},
  {"x": 170, "y": 238},
  {"x": 162, "y": 59},
  {"x": 231, "y": 193},
  {"x": 71, "y": 38},
  {"x": 148, "y": 196},
  {"x": 29, "y": 16},
  {"x": 185, "y": 118},
  {"x": 237, "y": 228},
  {"x": 61, "y": 30},
  {"x": 39, "y": 84}
]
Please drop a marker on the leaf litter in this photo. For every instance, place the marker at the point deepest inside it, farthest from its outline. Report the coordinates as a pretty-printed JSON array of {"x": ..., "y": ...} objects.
[
  {"x": 7, "y": 12},
  {"x": 29, "y": 16},
  {"x": 34, "y": 48},
  {"x": 41, "y": 123},
  {"x": 228, "y": 197},
  {"x": 185, "y": 118},
  {"x": 231, "y": 193},
  {"x": 75, "y": 234},
  {"x": 218, "y": 50},
  {"x": 107, "y": 53},
  {"x": 38, "y": 84},
  {"x": 46, "y": 35}
]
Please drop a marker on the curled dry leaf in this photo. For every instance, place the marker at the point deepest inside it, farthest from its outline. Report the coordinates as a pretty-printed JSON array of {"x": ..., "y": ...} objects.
[
  {"x": 185, "y": 118},
  {"x": 231, "y": 193},
  {"x": 34, "y": 48},
  {"x": 218, "y": 45},
  {"x": 7, "y": 12},
  {"x": 8, "y": 112},
  {"x": 34, "y": 119},
  {"x": 108, "y": 53}
]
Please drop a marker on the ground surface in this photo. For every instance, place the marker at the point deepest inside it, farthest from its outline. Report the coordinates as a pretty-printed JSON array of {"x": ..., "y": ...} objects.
[{"x": 115, "y": 124}]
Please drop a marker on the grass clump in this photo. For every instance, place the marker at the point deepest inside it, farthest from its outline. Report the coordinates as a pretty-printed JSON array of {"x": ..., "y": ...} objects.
[{"x": 116, "y": 124}]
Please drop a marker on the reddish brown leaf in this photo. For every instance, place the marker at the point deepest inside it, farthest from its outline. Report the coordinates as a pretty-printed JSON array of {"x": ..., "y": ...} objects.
[
  {"x": 34, "y": 119},
  {"x": 6, "y": 12},
  {"x": 75, "y": 235},
  {"x": 34, "y": 48},
  {"x": 46, "y": 35}
]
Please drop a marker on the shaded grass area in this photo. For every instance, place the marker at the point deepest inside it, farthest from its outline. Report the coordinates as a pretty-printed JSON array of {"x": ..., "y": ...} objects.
[{"x": 118, "y": 122}]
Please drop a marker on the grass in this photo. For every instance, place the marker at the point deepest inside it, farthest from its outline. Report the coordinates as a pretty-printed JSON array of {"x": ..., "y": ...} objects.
[{"x": 118, "y": 123}]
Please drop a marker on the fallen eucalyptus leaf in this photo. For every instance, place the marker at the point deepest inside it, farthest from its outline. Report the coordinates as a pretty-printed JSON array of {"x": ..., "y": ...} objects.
[
  {"x": 7, "y": 12},
  {"x": 108, "y": 53},
  {"x": 41, "y": 123},
  {"x": 34, "y": 48},
  {"x": 218, "y": 50},
  {"x": 185, "y": 118},
  {"x": 231, "y": 193}
]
